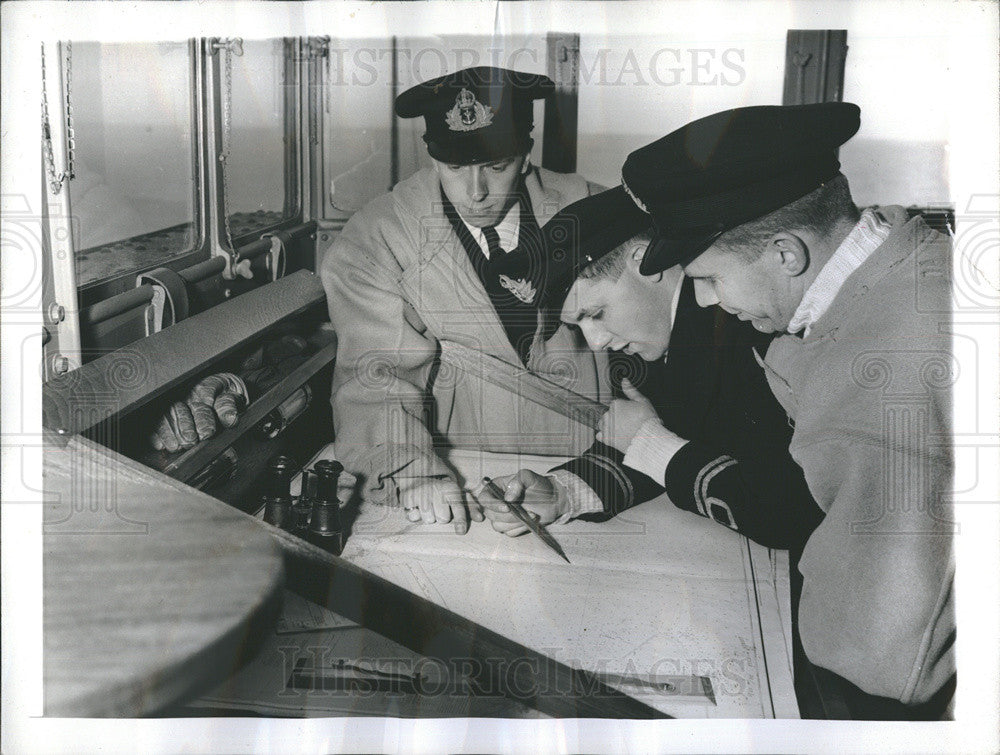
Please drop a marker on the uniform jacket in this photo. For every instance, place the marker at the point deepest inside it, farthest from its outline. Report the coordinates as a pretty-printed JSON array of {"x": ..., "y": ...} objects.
[
  {"x": 869, "y": 392},
  {"x": 398, "y": 281},
  {"x": 735, "y": 468}
]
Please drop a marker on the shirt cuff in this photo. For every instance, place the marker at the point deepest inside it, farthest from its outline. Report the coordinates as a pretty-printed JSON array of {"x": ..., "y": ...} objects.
[
  {"x": 651, "y": 450},
  {"x": 581, "y": 497}
]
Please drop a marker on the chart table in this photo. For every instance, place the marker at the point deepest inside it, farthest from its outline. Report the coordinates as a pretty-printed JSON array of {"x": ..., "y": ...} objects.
[{"x": 654, "y": 595}]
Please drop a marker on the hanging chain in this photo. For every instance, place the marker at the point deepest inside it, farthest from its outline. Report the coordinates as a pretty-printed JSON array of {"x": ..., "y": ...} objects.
[
  {"x": 56, "y": 181},
  {"x": 227, "y": 132},
  {"x": 70, "y": 133}
]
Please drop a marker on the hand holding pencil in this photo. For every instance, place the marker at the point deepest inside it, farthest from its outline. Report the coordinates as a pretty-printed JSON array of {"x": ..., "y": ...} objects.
[{"x": 522, "y": 502}]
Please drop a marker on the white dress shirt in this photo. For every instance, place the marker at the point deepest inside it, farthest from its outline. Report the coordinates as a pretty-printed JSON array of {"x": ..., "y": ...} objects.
[{"x": 508, "y": 229}]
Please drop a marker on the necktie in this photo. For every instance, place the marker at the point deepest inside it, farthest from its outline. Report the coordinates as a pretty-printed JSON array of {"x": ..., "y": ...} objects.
[{"x": 492, "y": 242}]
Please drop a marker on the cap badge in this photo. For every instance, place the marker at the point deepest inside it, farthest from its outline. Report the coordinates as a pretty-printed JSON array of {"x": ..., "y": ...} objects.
[
  {"x": 638, "y": 202},
  {"x": 521, "y": 288},
  {"x": 468, "y": 114}
]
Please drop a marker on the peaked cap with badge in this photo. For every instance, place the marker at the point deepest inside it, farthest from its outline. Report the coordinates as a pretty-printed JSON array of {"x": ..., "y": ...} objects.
[
  {"x": 727, "y": 169},
  {"x": 476, "y": 115}
]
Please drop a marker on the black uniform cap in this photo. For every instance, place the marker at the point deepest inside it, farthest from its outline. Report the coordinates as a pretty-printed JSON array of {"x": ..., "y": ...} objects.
[
  {"x": 732, "y": 167},
  {"x": 582, "y": 233},
  {"x": 476, "y": 115}
]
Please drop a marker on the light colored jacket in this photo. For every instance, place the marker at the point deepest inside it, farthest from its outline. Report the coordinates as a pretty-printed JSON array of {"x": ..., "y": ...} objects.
[
  {"x": 398, "y": 281},
  {"x": 869, "y": 391}
]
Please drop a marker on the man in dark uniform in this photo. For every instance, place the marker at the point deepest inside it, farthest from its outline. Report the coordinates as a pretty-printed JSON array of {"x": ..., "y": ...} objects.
[
  {"x": 451, "y": 254},
  {"x": 691, "y": 369}
]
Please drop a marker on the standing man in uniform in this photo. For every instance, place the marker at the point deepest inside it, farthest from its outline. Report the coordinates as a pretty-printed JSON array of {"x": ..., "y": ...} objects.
[
  {"x": 752, "y": 204},
  {"x": 453, "y": 253}
]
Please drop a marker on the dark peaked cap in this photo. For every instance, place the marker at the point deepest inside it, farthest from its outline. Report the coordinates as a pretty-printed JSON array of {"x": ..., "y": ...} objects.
[
  {"x": 476, "y": 115},
  {"x": 583, "y": 232},
  {"x": 730, "y": 168}
]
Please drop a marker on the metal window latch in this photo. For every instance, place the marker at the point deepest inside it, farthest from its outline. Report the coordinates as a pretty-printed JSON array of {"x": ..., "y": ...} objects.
[
  {"x": 232, "y": 44},
  {"x": 276, "y": 255},
  {"x": 319, "y": 47},
  {"x": 801, "y": 60}
]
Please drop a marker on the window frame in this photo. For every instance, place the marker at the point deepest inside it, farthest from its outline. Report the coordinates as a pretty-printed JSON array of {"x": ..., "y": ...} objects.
[
  {"x": 92, "y": 293},
  {"x": 314, "y": 51},
  {"x": 206, "y": 113},
  {"x": 292, "y": 179},
  {"x": 328, "y": 217}
]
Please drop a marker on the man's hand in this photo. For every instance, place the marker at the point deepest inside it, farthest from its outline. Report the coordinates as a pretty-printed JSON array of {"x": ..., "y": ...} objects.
[
  {"x": 433, "y": 499},
  {"x": 624, "y": 418},
  {"x": 222, "y": 396},
  {"x": 540, "y": 496}
]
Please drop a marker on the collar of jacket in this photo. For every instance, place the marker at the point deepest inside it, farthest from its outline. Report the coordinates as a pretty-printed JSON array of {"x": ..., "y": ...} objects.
[
  {"x": 442, "y": 285},
  {"x": 443, "y": 272},
  {"x": 903, "y": 242},
  {"x": 420, "y": 199}
]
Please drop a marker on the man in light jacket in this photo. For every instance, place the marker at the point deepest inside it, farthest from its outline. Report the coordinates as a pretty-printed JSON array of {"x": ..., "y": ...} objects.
[
  {"x": 452, "y": 253},
  {"x": 752, "y": 204}
]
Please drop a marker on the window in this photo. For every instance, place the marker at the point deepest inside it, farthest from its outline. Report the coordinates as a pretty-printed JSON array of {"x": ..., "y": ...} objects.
[
  {"x": 358, "y": 123},
  {"x": 262, "y": 175},
  {"x": 134, "y": 195}
]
